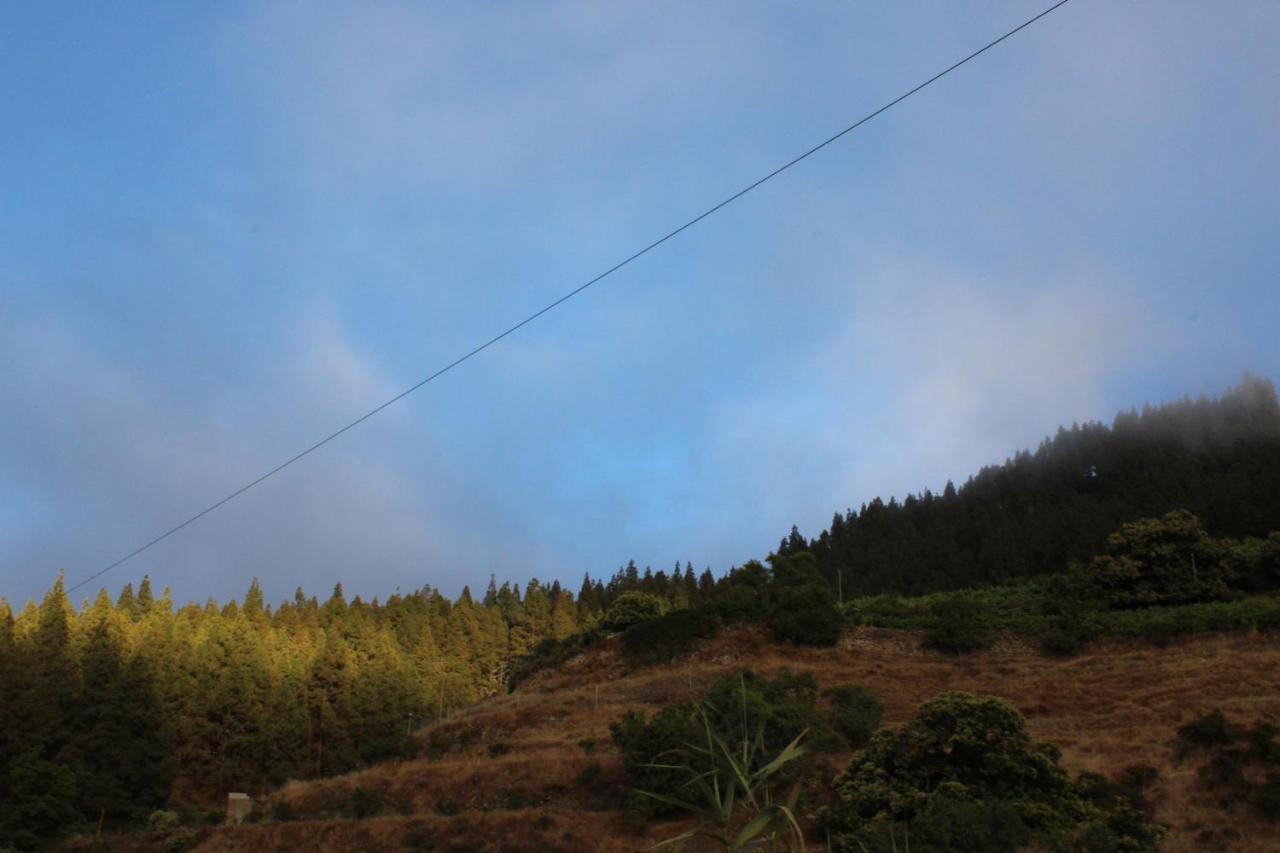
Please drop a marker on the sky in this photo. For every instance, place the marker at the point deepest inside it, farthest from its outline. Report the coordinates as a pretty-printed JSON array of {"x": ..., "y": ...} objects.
[{"x": 228, "y": 229}]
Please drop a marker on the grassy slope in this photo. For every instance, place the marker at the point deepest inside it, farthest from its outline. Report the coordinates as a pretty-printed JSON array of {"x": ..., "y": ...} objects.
[{"x": 1116, "y": 706}]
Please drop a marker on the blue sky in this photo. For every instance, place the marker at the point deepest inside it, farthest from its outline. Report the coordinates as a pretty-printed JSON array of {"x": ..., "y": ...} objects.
[{"x": 227, "y": 229}]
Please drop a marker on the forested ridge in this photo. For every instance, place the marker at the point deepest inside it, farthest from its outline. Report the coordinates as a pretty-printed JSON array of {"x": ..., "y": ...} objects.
[
  {"x": 117, "y": 706},
  {"x": 123, "y": 705},
  {"x": 1040, "y": 510}
]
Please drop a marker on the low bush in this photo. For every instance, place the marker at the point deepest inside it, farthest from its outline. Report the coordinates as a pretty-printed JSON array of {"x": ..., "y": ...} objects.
[
  {"x": 786, "y": 705},
  {"x": 667, "y": 637},
  {"x": 366, "y": 803},
  {"x": 964, "y": 774},
  {"x": 163, "y": 821},
  {"x": 960, "y": 624},
  {"x": 1122, "y": 828},
  {"x": 1222, "y": 775},
  {"x": 1234, "y": 757},
  {"x": 808, "y": 616},
  {"x": 1069, "y": 631},
  {"x": 180, "y": 840},
  {"x": 498, "y": 749},
  {"x": 1213, "y": 729},
  {"x": 646, "y": 742},
  {"x": 656, "y": 751},
  {"x": 551, "y": 652},
  {"x": 282, "y": 811},
  {"x": 856, "y": 712},
  {"x": 1134, "y": 783},
  {"x": 588, "y": 775}
]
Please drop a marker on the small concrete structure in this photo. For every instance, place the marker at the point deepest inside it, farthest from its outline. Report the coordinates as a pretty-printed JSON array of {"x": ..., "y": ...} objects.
[{"x": 239, "y": 807}]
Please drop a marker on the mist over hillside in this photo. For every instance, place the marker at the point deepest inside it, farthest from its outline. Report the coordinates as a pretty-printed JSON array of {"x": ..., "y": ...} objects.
[{"x": 1038, "y": 511}]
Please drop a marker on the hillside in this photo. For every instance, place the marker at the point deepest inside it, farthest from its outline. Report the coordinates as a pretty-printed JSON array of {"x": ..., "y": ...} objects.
[
  {"x": 133, "y": 713},
  {"x": 516, "y": 776}
]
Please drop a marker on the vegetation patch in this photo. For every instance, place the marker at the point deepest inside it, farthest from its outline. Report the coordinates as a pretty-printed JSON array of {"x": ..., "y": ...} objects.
[
  {"x": 964, "y": 774},
  {"x": 960, "y": 624},
  {"x": 667, "y": 637},
  {"x": 1237, "y": 762}
]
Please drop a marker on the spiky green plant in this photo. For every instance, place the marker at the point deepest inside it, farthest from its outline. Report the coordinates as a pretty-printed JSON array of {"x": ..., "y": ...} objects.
[{"x": 734, "y": 800}]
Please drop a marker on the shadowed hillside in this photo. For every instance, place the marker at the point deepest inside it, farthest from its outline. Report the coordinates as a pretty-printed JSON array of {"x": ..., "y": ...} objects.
[{"x": 535, "y": 770}]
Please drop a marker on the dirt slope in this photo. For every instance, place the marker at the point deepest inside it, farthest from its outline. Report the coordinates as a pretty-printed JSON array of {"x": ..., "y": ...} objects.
[{"x": 521, "y": 781}]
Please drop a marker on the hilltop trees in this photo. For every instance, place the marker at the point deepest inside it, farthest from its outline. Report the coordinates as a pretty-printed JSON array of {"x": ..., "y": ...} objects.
[{"x": 1039, "y": 511}]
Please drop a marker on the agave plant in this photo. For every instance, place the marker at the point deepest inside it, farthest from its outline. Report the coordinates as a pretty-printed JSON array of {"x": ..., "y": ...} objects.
[{"x": 734, "y": 799}]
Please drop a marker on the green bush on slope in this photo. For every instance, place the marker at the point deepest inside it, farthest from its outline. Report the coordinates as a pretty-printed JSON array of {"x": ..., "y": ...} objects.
[{"x": 965, "y": 774}]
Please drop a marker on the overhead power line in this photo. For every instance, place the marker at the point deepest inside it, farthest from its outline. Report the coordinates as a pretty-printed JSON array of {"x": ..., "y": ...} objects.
[{"x": 566, "y": 297}]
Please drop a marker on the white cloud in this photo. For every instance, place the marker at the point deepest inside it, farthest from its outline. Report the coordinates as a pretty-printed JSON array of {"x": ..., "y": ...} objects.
[{"x": 931, "y": 375}]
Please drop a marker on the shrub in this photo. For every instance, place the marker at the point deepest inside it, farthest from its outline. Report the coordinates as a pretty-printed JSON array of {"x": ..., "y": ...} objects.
[
  {"x": 1213, "y": 729},
  {"x": 498, "y": 749},
  {"x": 282, "y": 811},
  {"x": 667, "y": 637},
  {"x": 735, "y": 705},
  {"x": 786, "y": 705},
  {"x": 742, "y": 596},
  {"x": 646, "y": 742},
  {"x": 1155, "y": 561},
  {"x": 631, "y": 607},
  {"x": 366, "y": 803},
  {"x": 589, "y": 774},
  {"x": 180, "y": 840},
  {"x": 1069, "y": 631},
  {"x": 588, "y": 745},
  {"x": 163, "y": 821},
  {"x": 1120, "y": 829},
  {"x": 550, "y": 652},
  {"x": 1134, "y": 782},
  {"x": 962, "y": 774},
  {"x": 1062, "y": 643},
  {"x": 856, "y": 712},
  {"x": 1096, "y": 788},
  {"x": 728, "y": 789},
  {"x": 960, "y": 624},
  {"x": 808, "y": 616}
]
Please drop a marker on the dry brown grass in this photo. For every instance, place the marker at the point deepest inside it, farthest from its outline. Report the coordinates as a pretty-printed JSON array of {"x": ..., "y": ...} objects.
[{"x": 1116, "y": 707}]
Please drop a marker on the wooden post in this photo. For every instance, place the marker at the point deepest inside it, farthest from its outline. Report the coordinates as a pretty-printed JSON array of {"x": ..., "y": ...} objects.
[
  {"x": 102, "y": 814},
  {"x": 597, "y": 702}
]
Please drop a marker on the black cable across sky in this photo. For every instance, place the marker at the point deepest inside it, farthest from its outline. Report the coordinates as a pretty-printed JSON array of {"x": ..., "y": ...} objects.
[{"x": 565, "y": 298}]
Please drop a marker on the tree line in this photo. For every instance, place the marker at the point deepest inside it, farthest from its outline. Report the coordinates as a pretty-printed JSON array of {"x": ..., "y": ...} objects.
[
  {"x": 1042, "y": 510},
  {"x": 116, "y": 707}
]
